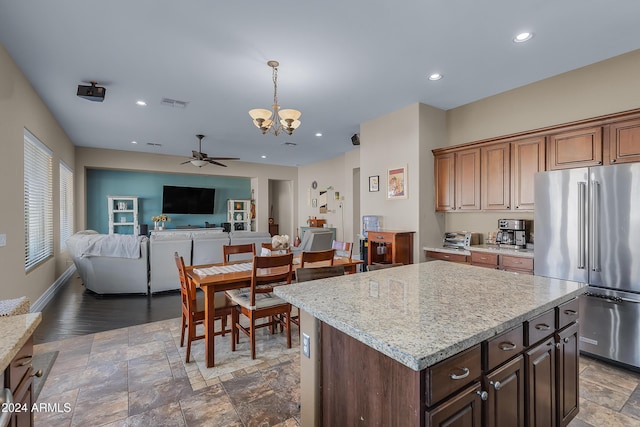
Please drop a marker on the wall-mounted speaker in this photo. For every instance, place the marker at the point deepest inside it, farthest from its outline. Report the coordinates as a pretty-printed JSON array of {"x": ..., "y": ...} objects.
[{"x": 355, "y": 139}]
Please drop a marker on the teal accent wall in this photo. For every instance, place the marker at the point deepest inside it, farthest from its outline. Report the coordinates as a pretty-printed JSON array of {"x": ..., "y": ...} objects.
[{"x": 148, "y": 188}]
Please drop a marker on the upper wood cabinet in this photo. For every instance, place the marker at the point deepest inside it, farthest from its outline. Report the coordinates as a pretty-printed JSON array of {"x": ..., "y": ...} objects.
[
  {"x": 575, "y": 149},
  {"x": 444, "y": 166},
  {"x": 527, "y": 159},
  {"x": 624, "y": 140},
  {"x": 457, "y": 176},
  {"x": 496, "y": 176},
  {"x": 467, "y": 172}
]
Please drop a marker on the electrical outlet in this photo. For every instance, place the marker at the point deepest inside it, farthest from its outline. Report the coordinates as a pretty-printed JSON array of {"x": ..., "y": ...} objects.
[
  {"x": 306, "y": 345},
  {"x": 3, "y": 240}
]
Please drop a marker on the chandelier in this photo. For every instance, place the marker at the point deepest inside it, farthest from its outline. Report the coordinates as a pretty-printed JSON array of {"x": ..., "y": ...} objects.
[{"x": 283, "y": 120}]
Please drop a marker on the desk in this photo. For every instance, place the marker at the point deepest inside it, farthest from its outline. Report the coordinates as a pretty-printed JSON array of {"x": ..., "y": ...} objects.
[{"x": 238, "y": 279}]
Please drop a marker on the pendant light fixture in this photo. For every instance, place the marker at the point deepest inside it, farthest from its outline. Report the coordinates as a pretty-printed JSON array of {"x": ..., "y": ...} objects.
[{"x": 283, "y": 120}]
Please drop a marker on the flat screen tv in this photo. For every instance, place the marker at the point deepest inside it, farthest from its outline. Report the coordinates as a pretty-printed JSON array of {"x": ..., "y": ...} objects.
[{"x": 187, "y": 200}]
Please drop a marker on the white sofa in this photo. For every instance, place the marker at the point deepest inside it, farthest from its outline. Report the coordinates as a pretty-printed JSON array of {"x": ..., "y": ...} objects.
[
  {"x": 196, "y": 247},
  {"x": 111, "y": 264}
]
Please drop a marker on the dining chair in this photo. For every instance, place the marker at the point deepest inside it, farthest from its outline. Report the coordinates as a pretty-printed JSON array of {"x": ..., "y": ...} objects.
[
  {"x": 258, "y": 301},
  {"x": 313, "y": 273},
  {"x": 343, "y": 249},
  {"x": 228, "y": 250},
  {"x": 193, "y": 308},
  {"x": 374, "y": 267},
  {"x": 269, "y": 248},
  {"x": 317, "y": 256}
]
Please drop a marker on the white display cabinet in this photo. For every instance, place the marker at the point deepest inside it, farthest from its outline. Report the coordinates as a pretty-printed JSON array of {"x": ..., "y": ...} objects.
[
  {"x": 123, "y": 215},
  {"x": 239, "y": 214}
]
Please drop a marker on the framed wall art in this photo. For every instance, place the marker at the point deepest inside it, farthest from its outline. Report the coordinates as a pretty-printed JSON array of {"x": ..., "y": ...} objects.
[
  {"x": 374, "y": 183},
  {"x": 397, "y": 183}
]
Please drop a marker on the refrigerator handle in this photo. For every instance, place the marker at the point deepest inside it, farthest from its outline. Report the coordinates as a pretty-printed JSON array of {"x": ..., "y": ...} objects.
[
  {"x": 595, "y": 220},
  {"x": 582, "y": 192}
]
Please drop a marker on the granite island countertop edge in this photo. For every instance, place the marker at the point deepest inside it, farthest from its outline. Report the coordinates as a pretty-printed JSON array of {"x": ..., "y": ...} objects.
[{"x": 14, "y": 333}]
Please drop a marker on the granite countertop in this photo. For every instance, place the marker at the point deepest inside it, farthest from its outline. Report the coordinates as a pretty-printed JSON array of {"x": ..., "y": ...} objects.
[
  {"x": 420, "y": 314},
  {"x": 14, "y": 332},
  {"x": 525, "y": 253}
]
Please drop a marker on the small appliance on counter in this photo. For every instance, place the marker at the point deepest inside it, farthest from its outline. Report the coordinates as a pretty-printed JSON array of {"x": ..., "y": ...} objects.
[
  {"x": 512, "y": 233},
  {"x": 460, "y": 239}
]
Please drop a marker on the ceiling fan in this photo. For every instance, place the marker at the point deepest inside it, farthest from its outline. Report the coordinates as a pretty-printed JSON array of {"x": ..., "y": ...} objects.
[{"x": 200, "y": 159}]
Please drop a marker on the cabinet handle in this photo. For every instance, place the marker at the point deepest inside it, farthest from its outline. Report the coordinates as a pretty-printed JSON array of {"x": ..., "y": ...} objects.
[
  {"x": 38, "y": 373},
  {"x": 570, "y": 312},
  {"x": 465, "y": 374},
  {"x": 507, "y": 207},
  {"x": 566, "y": 340},
  {"x": 542, "y": 327},
  {"x": 25, "y": 360},
  {"x": 483, "y": 395},
  {"x": 483, "y": 258},
  {"x": 507, "y": 346},
  {"x": 613, "y": 160},
  {"x": 558, "y": 345},
  {"x": 496, "y": 385},
  {"x": 516, "y": 262},
  {"x": 445, "y": 256}
]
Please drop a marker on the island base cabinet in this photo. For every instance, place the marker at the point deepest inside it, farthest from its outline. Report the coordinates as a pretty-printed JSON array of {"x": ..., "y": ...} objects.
[
  {"x": 505, "y": 401},
  {"x": 567, "y": 381},
  {"x": 462, "y": 410},
  {"x": 540, "y": 364}
]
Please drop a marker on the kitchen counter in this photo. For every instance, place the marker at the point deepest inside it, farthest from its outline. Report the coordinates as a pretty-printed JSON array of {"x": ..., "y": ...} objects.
[
  {"x": 423, "y": 313},
  {"x": 14, "y": 333},
  {"x": 525, "y": 253}
]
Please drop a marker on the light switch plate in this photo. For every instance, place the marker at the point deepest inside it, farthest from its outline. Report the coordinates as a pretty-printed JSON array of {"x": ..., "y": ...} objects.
[
  {"x": 3, "y": 240},
  {"x": 306, "y": 345}
]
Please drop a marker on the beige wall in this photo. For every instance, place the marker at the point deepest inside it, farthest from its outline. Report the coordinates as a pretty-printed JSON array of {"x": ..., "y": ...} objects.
[
  {"x": 93, "y": 158},
  {"x": 606, "y": 87},
  {"x": 20, "y": 107}
]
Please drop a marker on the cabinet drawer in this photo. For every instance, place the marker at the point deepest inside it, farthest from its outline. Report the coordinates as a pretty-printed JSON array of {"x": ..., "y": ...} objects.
[
  {"x": 503, "y": 347},
  {"x": 567, "y": 313},
  {"x": 518, "y": 262},
  {"x": 539, "y": 327},
  {"x": 446, "y": 256},
  {"x": 19, "y": 366},
  {"x": 452, "y": 374},
  {"x": 378, "y": 236},
  {"x": 484, "y": 258}
]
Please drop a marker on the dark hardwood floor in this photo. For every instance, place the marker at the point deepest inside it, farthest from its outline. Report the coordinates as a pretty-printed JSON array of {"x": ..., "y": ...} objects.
[{"x": 75, "y": 311}]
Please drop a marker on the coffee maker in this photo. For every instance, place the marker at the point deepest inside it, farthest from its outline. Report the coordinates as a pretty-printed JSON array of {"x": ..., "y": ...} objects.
[{"x": 512, "y": 233}]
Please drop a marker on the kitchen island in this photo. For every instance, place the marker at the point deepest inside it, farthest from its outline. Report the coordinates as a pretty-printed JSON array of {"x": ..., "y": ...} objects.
[{"x": 421, "y": 345}]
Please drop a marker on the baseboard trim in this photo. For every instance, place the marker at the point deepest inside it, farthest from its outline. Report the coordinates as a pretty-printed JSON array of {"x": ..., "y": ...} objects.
[{"x": 44, "y": 299}]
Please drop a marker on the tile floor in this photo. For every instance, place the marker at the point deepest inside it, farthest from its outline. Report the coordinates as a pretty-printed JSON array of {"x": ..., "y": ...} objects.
[{"x": 137, "y": 376}]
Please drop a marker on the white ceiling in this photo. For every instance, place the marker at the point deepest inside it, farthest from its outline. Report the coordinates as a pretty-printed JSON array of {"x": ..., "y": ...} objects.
[{"x": 342, "y": 63}]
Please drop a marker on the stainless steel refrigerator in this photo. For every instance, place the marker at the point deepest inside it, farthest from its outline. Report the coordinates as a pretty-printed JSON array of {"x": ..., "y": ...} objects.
[{"x": 587, "y": 229}]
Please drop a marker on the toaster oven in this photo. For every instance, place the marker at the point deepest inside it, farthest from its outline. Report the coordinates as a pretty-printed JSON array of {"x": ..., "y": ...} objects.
[{"x": 460, "y": 239}]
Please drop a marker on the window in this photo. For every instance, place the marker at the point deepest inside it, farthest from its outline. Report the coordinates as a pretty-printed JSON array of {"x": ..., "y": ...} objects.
[
  {"x": 38, "y": 201},
  {"x": 66, "y": 204}
]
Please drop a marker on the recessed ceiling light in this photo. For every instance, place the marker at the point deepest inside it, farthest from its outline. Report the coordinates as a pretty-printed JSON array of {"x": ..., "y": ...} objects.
[
  {"x": 134, "y": 142},
  {"x": 435, "y": 76},
  {"x": 522, "y": 37},
  {"x": 318, "y": 134},
  {"x": 263, "y": 156},
  {"x": 141, "y": 103}
]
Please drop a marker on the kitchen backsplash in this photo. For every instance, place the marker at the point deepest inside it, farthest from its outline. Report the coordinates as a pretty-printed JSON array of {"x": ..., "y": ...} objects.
[{"x": 483, "y": 222}]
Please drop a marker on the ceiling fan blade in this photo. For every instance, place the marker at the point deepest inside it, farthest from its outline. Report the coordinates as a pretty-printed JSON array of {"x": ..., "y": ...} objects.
[
  {"x": 188, "y": 161},
  {"x": 223, "y": 158},
  {"x": 216, "y": 163}
]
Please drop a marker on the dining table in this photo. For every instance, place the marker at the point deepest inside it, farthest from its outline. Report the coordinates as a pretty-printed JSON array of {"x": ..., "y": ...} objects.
[{"x": 212, "y": 278}]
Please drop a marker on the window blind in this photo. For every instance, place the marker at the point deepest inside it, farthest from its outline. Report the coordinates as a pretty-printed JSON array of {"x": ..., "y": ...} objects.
[
  {"x": 38, "y": 201},
  {"x": 66, "y": 204}
]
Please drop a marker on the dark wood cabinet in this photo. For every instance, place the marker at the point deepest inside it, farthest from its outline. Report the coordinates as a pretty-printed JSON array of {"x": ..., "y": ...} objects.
[
  {"x": 484, "y": 259},
  {"x": 516, "y": 264},
  {"x": 274, "y": 229},
  {"x": 527, "y": 159},
  {"x": 624, "y": 140},
  {"x": 505, "y": 404},
  {"x": 444, "y": 169},
  {"x": 540, "y": 362},
  {"x": 567, "y": 380},
  {"x": 462, "y": 410},
  {"x": 390, "y": 247},
  {"x": 575, "y": 148},
  {"x": 496, "y": 176},
  {"x": 18, "y": 377}
]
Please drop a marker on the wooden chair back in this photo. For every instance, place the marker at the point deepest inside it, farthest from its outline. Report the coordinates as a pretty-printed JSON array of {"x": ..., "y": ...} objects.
[
  {"x": 269, "y": 246},
  {"x": 270, "y": 269},
  {"x": 314, "y": 273},
  {"x": 227, "y": 250},
  {"x": 374, "y": 267},
  {"x": 187, "y": 287},
  {"x": 317, "y": 256},
  {"x": 344, "y": 249}
]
